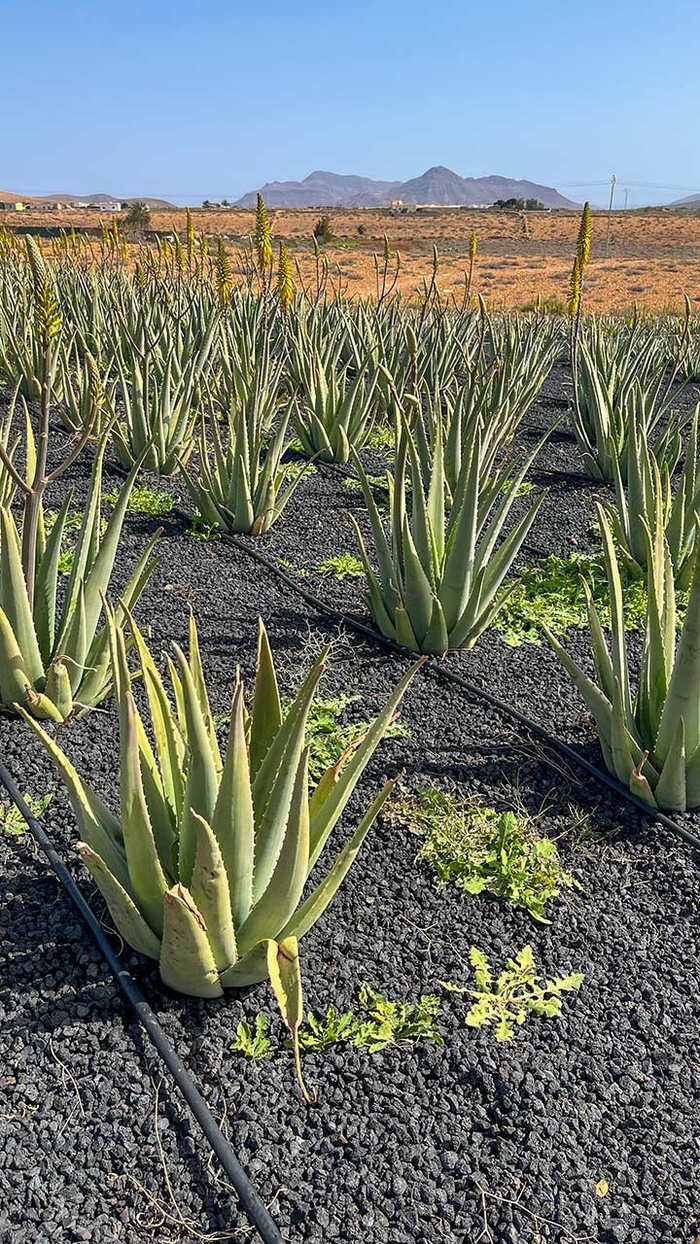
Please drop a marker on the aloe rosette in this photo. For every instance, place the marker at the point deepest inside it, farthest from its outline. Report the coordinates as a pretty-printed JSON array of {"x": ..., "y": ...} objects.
[
  {"x": 440, "y": 573},
  {"x": 651, "y": 741},
  {"x": 645, "y": 494},
  {"x": 54, "y": 658},
  {"x": 207, "y": 861}
]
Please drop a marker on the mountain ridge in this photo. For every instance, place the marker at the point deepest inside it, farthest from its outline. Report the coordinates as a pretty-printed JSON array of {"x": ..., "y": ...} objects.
[
  {"x": 7, "y": 196},
  {"x": 437, "y": 185},
  {"x": 690, "y": 200}
]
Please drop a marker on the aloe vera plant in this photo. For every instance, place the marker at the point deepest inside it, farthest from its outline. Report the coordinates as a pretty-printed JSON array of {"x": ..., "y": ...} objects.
[
  {"x": 439, "y": 572},
  {"x": 54, "y": 658},
  {"x": 240, "y": 485},
  {"x": 650, "y": 741},
  {"x": 620, "y": 375},
  {"x": 646, "y": 497},
  {"x": 205, "y": 864},
  {"x": 76, "y": 408},
  {"x": 9, "y": 444},
  {"x": 335, "y": 413},
  {"x": 158, "y": 375}
]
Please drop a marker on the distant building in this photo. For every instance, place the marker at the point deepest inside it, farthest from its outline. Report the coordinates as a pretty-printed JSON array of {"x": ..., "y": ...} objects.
[{"x": 109, "y": 207}]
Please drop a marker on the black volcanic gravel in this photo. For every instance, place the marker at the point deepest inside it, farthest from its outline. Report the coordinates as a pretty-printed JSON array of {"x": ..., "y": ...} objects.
[{"x": 468, "y": 1142}]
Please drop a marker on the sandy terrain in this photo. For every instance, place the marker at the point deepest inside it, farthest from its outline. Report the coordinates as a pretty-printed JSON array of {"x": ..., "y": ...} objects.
[{"x": 654, "y": 257}]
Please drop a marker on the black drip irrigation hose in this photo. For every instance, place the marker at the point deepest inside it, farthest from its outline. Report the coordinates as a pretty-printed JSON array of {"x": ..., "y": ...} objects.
[
  {"x": 250, "y": 1200},
  {"x": 473, "y": 689}
]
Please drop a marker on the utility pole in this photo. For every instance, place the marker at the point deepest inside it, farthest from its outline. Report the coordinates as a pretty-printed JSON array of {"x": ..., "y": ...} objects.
[{"x": 613, "y": 181}]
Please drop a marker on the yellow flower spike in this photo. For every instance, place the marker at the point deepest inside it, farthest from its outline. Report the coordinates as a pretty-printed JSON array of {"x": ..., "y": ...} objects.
[
  {"x": 263, "y": 237},
  {"x": 223, "y": 275},
  {"x": 583, "y": 241},
  {"x": 574, "y": 299},
  {"x": 285, "y": 281}
]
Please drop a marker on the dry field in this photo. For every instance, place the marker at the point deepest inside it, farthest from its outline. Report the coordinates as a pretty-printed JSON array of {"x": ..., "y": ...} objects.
[{"x": 654, "y": 257}]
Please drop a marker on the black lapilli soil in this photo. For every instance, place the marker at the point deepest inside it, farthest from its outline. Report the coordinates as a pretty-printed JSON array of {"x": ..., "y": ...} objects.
[{"x": 469, "y": 1141}]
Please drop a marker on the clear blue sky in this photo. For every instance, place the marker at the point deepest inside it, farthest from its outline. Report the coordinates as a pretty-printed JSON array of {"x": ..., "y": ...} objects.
[{"x": 191, "y": 100}]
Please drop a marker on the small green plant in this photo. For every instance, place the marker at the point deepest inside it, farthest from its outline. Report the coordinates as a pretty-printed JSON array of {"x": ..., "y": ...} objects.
[
  {"x": 518, "y": 992},
  {"x": 252, "y": 1041},
  {"x": 329, "y": 739},
  {"x": 65, "y": 561},
  {"x": 521, "y": 490},
  {"x": 201, "y": 530},
  {"x": 11, "y": 819},
  {"x": 480, "y": 849},
  {"x": 297, "y": 570},
  {"x": 384, "y": 1023},
  {"x": 292, "y": 470},
  {"x": 321, "y": 1034},
  {"x": 382, "y": 436},
  {"x": 353, "y": 484},
  {"x": 389, "y": 1023},
  {"x": 144, "y": 500},
  {"x": 377, "y": 484},
  {"x": 551, "y": 593},
  {"x": 342, "y": 567}
]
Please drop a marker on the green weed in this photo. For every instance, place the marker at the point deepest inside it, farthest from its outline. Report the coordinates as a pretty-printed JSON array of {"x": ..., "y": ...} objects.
[
  {"x": 297, "y": 570},
  {"x": 11, "y": 819},
  {"x": 292, "y": 470},
  {"x": 72, "y": 523},
  {"x": 328, "y": 737},
  {"x": 379, "y": 488},
  {"x": 201, "y": 530},
  {"x": 381, "y": 436},
  {"x": 342, "y": 567},
  {"x": 382, "y": 1023},
  {"x": 551, "y": 592},
  {"x": 389, "y": 1023},
  {"x": 521, "y": 491},
  {"x": 321, "y": 1034},
  {"x": 518, "y": 992},
  {"x": 480, "y": 849},
  {"x": 253, "y": 1042},
  {"x": 144, "y": 500}
]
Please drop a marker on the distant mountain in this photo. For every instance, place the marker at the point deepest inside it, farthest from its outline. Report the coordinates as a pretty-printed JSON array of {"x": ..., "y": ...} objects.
[
  {"x": 321, "y": 189},
  {"x": 438, "y": 185},
  {"x": 6, "y": 196},
  {"x": 691, "y": 201},
  {"x": 62, "y": 197}
]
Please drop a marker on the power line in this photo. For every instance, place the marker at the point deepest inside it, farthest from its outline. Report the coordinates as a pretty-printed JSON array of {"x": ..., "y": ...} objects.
[{"x": 638, "y": 185}]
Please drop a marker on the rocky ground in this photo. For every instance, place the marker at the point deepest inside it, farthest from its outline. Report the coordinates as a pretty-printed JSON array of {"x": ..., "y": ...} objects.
[{"x": 465, "y": 1141}]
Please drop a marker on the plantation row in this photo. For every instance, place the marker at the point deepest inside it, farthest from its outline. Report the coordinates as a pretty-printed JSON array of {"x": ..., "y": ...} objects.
[{"x": 206, "y": 865}]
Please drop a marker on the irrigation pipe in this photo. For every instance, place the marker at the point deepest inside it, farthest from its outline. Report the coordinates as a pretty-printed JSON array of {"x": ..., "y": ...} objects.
[
  {"x": 250, "y": 1200},
  {"x": 472, "y": 689}
]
